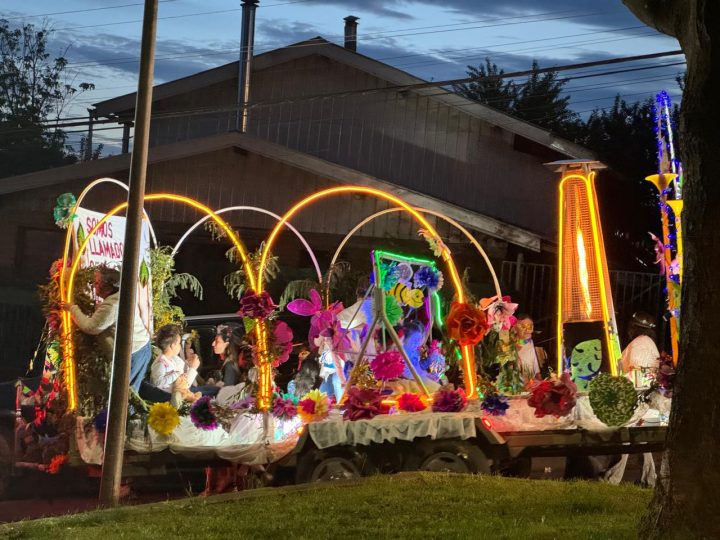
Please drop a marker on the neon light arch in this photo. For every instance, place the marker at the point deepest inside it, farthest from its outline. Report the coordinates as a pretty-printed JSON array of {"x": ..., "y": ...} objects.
[
  {"x": 262, "y": 211},
  {"x": 67, "y": 296},
  {"x": 440, "y": 215},
  {"x": 264, "y": 394}
]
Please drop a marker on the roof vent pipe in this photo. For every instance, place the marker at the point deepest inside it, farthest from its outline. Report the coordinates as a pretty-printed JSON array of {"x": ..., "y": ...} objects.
[
  {"x": 247, "y": 45},
  {"x": 351, "y": 32}
]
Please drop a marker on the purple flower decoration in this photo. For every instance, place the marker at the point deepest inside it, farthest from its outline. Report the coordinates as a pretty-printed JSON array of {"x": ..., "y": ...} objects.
[
  {"x": 285, "y": 407},
  {"x": 245, "y": 404},
  {"x": 449, "y": 400},
  {"x": 428, "y": 277},
  {"x": 323, "y": 322},
  {"x": 495, "y": 404},
  {"x": 256, "y": 306},
  {"x": 387, "y": 365},
  {"x": 100, "y": 421},
  {"x": 202, "y": 414}
]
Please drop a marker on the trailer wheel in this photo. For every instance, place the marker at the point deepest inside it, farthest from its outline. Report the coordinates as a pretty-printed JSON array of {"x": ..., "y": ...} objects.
[
  {"x": 332, "y": 464},
  {"x": 447, "y": 455}
]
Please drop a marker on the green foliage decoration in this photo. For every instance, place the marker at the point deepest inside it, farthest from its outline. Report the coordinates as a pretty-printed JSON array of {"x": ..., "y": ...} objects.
[
  {"x": 613, "y": 399},
  {"x": 166, "y": 284}
]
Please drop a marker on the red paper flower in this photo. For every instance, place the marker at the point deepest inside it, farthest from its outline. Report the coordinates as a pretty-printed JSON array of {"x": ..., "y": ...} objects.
[
  {"x": 387, "y": 365},
  {"x": 410, "y": 402},
  {"x": 362, "y": 403},
  {"x": 256, "y": 306},
  {"x": 553, "y": 397},
  {"x": 466, "y": 324},
  {"x": 56, "y": 463},
  {"x": 449, "y": 400}
]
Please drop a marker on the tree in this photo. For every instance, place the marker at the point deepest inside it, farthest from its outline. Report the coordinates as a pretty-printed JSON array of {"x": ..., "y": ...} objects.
[
  {"x": 489, "y": 87},
  {"x": 686, "y": 502},
  {"x": 33, "y": 93},
  {"x": 539, "y": 100}
]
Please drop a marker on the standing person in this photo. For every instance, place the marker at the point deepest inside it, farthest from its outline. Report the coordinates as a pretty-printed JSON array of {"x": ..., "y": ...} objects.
[
  {"x": 639, "y": 360},
  {"x": 102, "y": 324}
]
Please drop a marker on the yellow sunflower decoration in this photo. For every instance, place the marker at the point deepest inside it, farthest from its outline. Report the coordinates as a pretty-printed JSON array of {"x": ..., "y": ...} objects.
[{"x": 163, "y": 418}]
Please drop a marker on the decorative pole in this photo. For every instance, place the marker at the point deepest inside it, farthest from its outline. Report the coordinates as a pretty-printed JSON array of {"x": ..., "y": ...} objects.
[{"x": 668, "y": 182}]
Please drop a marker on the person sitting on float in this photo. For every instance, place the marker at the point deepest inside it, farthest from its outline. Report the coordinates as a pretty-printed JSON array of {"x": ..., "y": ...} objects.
[
  {"x": 239, "y": 375},
  {"x": 171, "y": 373},
  {"x": 641, "y": 358},
  {"x": 527, "y": 354},
  {"x": 307, "y": 377},
  {"x": 103, "y": 321}
]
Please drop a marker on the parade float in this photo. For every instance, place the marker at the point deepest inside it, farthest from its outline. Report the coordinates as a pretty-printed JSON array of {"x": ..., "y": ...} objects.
[{"x": 416, "y": 374}]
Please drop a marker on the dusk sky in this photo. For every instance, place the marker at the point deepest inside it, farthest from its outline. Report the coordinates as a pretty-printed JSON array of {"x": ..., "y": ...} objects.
[{"x": 430, "y": 39}]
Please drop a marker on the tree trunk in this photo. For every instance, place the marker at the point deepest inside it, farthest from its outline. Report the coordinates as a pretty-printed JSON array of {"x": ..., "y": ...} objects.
[{"x": 686, "y": 503}]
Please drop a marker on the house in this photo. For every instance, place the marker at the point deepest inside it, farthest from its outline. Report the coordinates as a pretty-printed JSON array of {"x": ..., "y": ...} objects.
[{"x": 321, "y": 115}]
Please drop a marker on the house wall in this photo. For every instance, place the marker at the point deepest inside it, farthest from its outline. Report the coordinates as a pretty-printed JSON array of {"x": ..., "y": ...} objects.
[{"x": 409, "y": 139}]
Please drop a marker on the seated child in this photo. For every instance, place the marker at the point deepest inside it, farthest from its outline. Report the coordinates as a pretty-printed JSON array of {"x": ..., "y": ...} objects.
[{"x": 169, "y": 372}]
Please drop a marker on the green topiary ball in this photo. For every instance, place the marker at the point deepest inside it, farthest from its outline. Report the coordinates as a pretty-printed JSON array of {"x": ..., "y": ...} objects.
[{"x": 613, "y": 399}]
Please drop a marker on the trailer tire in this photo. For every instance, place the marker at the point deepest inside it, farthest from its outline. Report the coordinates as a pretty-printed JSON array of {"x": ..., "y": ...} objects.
[
  {"x": 332, "y": 464},
  {"x": 447, "y": 455}
]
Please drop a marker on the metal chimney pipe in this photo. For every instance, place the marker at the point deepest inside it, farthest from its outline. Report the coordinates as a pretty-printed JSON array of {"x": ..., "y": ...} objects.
[
  {"x": 247, "y": 45},
  {"x": 351, "y": 32}
]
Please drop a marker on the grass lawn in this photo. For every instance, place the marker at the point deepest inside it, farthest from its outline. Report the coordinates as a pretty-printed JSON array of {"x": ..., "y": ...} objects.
[{"x": 414, "y": 505}]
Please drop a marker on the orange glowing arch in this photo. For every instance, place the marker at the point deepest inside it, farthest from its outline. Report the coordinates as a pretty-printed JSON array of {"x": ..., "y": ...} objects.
[
  {"x": 265, "y": 371},
  {"x": 67, "y": 292}
]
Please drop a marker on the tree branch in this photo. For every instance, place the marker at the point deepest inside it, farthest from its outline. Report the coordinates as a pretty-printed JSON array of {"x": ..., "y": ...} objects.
[{"x": 659, "y": 14}]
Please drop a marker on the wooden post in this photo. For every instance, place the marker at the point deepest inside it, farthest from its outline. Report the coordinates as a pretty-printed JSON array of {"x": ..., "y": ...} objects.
[{"x": 117, "y": 408}]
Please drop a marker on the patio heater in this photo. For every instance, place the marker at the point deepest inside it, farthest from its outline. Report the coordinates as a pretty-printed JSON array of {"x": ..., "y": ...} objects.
[{"x": 587, "y": 339}]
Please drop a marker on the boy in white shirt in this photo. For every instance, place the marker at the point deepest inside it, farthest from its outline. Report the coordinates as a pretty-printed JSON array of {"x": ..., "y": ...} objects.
[{"x": 171, "y": 373}]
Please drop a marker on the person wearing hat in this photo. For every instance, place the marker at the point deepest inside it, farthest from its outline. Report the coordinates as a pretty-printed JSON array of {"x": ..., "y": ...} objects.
[
  {"x": 641, "y": 356},
  {"x": 103, "y": 320}
]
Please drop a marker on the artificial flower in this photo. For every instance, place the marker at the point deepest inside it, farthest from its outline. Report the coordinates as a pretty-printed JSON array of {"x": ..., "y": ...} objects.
[
  {"x": 437, "y": 246},
  {"x": 393, "y": 310},
  {"x": 553, "y": 396},
  {"x": 410, "y": 402},
  {"x": 100, "y": 421},
  {"x": 57, "y": 462},
  {"x": 314, "y": 406},
  {"x": 163, "y": 418},
  {"x": 387, "y": 365},
  {"x": 202, "y": 414},
  {"x": 495, "y": 404},
  {"x": 665, "y": 377},
  {"x": 389, "y": 275},
  {"x": 246, "y": 403},
  {"x": 282, "y": 342},
  {"x": 256, "y": 306},
  {"x": 499, "y": 312},
  {"x": 448, "y": 400},
  {"x": 613, "y": 399},
  {"x": 405, "y": 272},
  {"x": 284, "y": 406},
  {"x": 62, "y": 213},
  {"x": 466, "y": 324},
  {"x": 323, "y": 322},
  {"x": 429, "y": 277},
  {"x": 362, "y": 404}
]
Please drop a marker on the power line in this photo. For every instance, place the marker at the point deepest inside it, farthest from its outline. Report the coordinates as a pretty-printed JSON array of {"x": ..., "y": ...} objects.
[
  {"x": 400, "y": 88},
  {"x": 80, "y": 10}
]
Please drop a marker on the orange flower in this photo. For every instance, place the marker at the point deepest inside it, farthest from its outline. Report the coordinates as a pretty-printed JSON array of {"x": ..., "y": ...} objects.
[{"x": 466, "y": 324}]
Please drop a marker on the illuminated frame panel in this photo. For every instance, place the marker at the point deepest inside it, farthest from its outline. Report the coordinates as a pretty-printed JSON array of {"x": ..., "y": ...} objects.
[
  {"x": 612, "y": 346},
  {"x": 265, "y": 369},
  {"x": 66, "y": 295}
]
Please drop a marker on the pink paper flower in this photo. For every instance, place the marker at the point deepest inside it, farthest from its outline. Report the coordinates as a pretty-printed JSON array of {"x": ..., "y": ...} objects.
[
  {"x": 387, "y": 365},
  {"x": 282, "y": 338}
]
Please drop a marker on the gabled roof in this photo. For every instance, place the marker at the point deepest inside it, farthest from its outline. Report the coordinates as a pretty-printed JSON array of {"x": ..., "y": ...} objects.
[
  {"x": 325, "y": 169},
  {"x": 397, "y": 77}
]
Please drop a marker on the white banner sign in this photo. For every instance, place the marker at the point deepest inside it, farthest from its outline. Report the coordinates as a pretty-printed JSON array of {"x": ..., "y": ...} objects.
[{"x": 106, "y": 247}]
